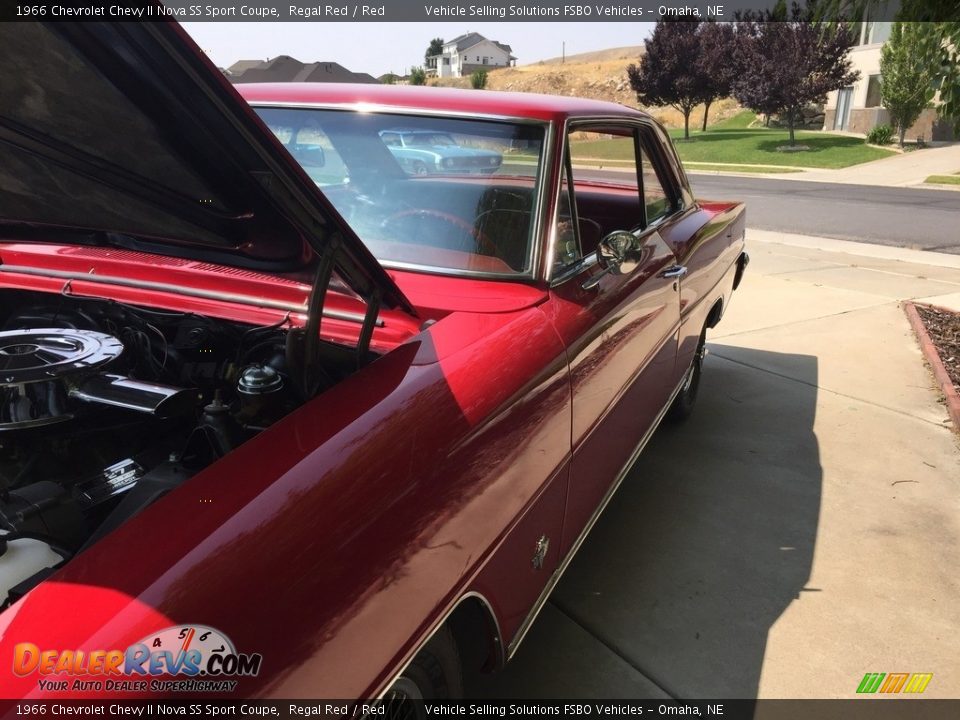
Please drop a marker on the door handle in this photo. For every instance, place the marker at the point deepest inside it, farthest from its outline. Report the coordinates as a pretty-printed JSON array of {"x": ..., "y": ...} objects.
[{"x": 674, "y": 271}]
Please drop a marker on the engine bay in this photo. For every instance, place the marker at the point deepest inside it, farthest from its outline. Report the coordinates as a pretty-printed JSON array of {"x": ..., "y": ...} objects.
[{"x": 105, "y": 407}]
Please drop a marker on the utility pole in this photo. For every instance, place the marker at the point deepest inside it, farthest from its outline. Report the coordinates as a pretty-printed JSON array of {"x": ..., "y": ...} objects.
[{"x": 563, "y": 53}]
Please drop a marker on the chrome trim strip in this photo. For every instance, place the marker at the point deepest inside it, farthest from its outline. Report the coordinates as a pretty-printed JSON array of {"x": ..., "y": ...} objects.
[
  {"x": 558, "y": 573},
  {"x": 365, "y": 107},
  {"x": 541, "y": 179},
  {"x": 545, "y": 171},
  {"x": 449, "y": 272},
  {"x": 440, "y": 623},
  {"x": 249, "y": 300}
]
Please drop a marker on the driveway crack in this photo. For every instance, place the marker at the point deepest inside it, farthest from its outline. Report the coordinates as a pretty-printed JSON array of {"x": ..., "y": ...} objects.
[{"x": 615, "y": 650}]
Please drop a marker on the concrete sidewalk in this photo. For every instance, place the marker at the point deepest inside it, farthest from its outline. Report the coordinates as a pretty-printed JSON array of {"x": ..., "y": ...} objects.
[
  {"x": 801, "y": 529},
  {"x": 901, "y": 170}
]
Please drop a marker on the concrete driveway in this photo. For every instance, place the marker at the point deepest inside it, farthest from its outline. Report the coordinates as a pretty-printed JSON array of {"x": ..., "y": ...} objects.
[{"x": 802, "y": 529}]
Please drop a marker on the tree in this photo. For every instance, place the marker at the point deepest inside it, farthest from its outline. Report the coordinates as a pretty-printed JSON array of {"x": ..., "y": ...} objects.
[
  {"x": 784, "y": 66},
  {"x": 478, "y": 80},
  {"x": 906, "y": 75},
  {"x": 669, "y": 73},
  {"x": 435, "y": 48},
  {"x": 717, "y": 49},
  {"x": 943, "y": 49},
  {"x": 418, "y": 76}
]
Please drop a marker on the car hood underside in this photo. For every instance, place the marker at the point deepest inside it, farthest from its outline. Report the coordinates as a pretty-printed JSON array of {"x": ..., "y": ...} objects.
[{"x": 124, "y": 134}]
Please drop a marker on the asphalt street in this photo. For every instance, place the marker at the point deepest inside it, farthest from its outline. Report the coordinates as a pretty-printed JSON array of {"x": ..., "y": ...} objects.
[{"x": 903, "y": 217}]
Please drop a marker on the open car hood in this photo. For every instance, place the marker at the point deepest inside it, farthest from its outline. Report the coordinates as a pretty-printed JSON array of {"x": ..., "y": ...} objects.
[{"x": 125, "y": 134}]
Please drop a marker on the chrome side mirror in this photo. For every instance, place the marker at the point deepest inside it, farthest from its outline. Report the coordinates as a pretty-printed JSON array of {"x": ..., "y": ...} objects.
[{"x": 619, "y": 253}]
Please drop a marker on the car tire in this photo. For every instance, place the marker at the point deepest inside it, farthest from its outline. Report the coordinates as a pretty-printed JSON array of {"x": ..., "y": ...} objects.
[
  {"x": 682, "y": 406},
  {"x": 419, "y": 169},
  {"x": 434, "y": 674}
]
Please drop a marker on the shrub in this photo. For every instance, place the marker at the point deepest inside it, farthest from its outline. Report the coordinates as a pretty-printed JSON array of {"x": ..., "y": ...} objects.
[
  {"x": 478, "y": 81},
  {"x": 880, "y": 135},
  {"x": 418, "y": 76}
]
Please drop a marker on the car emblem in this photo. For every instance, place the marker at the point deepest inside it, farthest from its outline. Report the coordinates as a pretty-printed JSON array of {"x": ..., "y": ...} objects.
[{"x": 543, "y": 544}]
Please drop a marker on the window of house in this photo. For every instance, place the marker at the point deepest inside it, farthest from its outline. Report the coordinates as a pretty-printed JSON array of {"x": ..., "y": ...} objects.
[
  {"x": 873, "y": 92},
  {"x": 879, "y": 32}
]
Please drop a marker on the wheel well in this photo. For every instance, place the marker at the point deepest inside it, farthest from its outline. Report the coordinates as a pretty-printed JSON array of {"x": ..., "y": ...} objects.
[
  {"x": 477, "y": 635},
  {"x": 716, "y": 312}
]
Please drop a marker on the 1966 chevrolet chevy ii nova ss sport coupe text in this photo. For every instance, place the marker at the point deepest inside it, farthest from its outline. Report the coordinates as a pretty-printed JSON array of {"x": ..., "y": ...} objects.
[{"x": 328, "y": 428}]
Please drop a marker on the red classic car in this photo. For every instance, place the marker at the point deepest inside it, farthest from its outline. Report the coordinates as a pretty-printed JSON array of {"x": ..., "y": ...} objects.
[{"x": 319, "y": 429}]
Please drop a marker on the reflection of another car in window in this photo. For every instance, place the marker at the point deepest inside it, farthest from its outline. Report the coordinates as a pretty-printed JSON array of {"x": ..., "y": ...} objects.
[{"x": 424, "y": 152}]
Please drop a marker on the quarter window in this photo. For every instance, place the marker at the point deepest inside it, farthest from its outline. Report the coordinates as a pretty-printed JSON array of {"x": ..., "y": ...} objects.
[{"x": 655, "y": 199}]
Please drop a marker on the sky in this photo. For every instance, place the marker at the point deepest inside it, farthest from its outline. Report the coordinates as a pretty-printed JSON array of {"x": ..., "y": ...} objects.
[{"x": 379, "y": 48}]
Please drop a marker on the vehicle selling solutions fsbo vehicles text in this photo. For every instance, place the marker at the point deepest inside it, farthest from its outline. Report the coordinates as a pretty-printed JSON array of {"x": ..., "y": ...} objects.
[{"x": 575, "y": 10}]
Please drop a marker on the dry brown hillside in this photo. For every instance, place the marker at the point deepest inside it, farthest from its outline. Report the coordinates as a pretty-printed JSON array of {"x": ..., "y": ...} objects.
[{"x": 600, "y": 75}]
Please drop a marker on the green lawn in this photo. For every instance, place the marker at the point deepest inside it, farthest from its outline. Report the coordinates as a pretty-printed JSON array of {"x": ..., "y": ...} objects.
[
  {"x": 944, "y": 179},
  {"x": 758, "y": 169},
  {"x": 732, "y": 142}
]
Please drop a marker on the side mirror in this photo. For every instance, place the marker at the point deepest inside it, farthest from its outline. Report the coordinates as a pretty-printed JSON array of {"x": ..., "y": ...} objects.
[{"x": 619, "y": 253}]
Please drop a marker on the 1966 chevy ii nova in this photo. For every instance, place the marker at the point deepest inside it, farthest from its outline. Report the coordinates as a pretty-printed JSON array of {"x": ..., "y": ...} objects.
[{"x": 321, "y": 429}]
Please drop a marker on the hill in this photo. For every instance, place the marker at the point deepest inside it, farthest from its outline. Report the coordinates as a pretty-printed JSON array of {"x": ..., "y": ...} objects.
[{"x": 599, "y": 75}]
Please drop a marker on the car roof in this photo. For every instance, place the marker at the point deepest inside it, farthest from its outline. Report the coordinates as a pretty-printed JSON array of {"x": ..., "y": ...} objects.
[{"x": 474, "y": 102}]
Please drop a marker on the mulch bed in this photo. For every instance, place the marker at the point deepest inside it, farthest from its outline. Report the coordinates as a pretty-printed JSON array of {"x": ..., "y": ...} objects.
[{"x": 943, "y": 327}]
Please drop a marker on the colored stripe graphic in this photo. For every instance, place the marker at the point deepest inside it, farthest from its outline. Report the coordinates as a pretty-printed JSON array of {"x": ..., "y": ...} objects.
[
  {"x": 918, "y": 682},
  {"x": 870, "y": 682},
  {"x": 894, "y": 682}
]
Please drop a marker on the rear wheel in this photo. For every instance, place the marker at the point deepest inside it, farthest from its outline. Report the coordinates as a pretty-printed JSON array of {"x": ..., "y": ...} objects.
[
  {"x": 434, "y": 674},
  {"x": 683, "y": 403}
]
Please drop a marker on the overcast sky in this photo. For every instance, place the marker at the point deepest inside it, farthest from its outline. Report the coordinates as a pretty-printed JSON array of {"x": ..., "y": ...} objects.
[{"x": 378, "y": 48}]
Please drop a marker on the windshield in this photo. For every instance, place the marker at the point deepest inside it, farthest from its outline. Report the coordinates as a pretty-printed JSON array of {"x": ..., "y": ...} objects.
[{"x": 454, "y": 195}]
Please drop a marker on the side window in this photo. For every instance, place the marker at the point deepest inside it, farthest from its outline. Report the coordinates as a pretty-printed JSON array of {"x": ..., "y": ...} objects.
[
  {"x": 602, "y": 173},
  {"x": 610, "y": 183}
]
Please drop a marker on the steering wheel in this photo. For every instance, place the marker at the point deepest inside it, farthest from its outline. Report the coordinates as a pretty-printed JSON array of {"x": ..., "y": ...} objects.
[{"x": 483, "y": 244}]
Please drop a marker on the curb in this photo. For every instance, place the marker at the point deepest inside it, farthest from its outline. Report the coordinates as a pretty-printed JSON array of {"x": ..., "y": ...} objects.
[
  {"x": 951, "y": 397},
  {"x": 935, "y": 186}
]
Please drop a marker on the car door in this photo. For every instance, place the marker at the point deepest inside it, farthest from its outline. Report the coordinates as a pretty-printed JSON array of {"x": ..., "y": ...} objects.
[{"x": 619, "y": 326}]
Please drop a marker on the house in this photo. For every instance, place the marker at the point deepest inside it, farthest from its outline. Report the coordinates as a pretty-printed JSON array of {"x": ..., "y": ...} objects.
[
  {"x": 858, "y": 108},
  {"x": 284, "y": 68},
  {"x": 468, "y": 53}
]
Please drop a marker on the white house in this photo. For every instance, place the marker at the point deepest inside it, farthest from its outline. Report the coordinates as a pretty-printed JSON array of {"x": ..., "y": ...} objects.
[
  {"x": 858, "y": 108},
  {"x": 470, "y": 52}
]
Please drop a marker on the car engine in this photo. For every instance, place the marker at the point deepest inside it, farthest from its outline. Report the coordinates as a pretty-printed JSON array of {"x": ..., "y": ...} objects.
[{"x": 104, "y": 407}]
